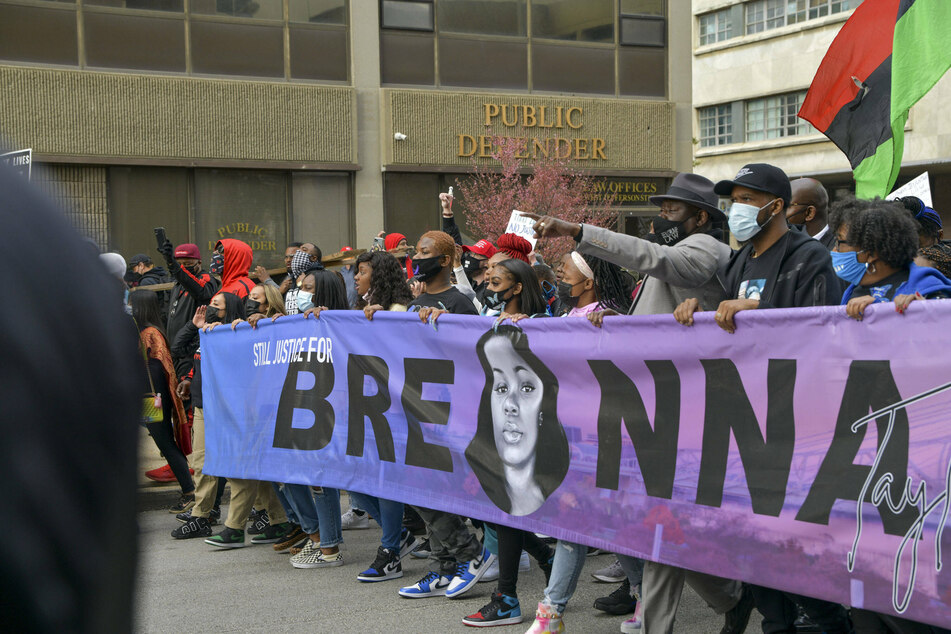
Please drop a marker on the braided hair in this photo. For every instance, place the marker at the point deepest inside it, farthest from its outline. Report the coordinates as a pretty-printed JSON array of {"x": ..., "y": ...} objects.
[
  {"x": 612, "y": 286},
  {"x": 939, "y": 255}
]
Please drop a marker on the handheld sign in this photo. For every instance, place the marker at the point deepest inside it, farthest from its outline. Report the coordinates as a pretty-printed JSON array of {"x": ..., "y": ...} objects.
[
  {"x": 21, "y": 161},
  {"x": 521, "y": 225},
  {"x": 919, "y": 187}
]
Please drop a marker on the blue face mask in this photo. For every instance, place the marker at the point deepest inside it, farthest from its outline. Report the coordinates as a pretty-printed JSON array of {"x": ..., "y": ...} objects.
[
  {"x": 304, "y": 301},
  {"x": 847, "y": 266},
  {"x": 743, "y": 224}
]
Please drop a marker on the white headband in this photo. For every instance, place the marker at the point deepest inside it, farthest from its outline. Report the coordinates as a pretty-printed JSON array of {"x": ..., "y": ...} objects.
[{"x": 582, "y": 265}]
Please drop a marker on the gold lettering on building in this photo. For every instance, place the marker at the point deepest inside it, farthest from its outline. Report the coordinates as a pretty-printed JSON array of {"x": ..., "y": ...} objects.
[{"x": 510, "y": 115}]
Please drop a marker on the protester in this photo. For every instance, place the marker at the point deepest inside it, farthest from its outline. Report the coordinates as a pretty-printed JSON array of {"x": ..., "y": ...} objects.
[
  {"x": 307, "y": 257},
  {"x": 777, "y": 268},
  {"x": 381, "y": 285},
  {"x": 590, "y": 284},
  {"x": 432, "y": 264},
  {"x": 808, "y": 210},
  {"x": 549, "y": 285},
  {"x": 348, "y": 270},
  {"x": 148, "y": 273},
  {"x": 680, "y": 259},
  {"x": 163, "y": 381},
  {"x": 885, "y": 237},
  {"x": 264, "y": 301},
  {"x": 515, "y": 246},
  {"x": 194, "y": 287},
  {"x": 937, "y": 256}
]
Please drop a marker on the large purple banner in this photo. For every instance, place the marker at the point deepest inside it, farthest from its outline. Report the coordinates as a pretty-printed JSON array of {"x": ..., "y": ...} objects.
[{"x": 740, "y": 455}]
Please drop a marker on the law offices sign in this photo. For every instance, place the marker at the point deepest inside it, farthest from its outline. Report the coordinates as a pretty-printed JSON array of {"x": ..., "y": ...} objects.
[{"x": 450, "y": 130}]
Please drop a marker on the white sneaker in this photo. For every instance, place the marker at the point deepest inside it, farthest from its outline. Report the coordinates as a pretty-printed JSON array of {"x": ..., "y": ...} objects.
[
  {"x": 492, "y": 572},
  {"x": 352, "y": 521},
  {"x": 633, "y": 624}
]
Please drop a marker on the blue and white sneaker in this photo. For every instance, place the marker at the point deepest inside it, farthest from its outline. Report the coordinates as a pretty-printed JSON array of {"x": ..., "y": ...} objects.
[
  {"x": 408, "y": 544},
  {"x": 385, "y": 566},
  {"x": 501, "y": 610},
  {"x": 432, "y": 585},
  {"x": 469, "y": 573}
]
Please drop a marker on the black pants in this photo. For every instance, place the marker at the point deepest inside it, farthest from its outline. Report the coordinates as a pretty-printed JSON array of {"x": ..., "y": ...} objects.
[
  {"x": 512, "y": 542},
  {"x": 164, "y": 435},
  {"x": 779, "y": 612}
]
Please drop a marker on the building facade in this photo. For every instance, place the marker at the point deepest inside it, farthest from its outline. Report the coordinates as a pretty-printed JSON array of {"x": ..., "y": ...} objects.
[
  {"x": 330, "y": 120},
  {"x": 753, "y": 63}
]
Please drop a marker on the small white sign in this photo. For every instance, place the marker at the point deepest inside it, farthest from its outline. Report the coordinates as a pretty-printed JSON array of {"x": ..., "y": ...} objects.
[
  {"x": 521, "y": 225},
  {"x": 918, "y": 186},
  {"x": 21, "y": 161}
]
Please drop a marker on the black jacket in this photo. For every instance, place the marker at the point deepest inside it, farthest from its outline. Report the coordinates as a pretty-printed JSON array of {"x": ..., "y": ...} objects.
[
  {"x": 802, "y": 277},
  {"x": 187, "y": 343},
  {"x": 197, "y": 290}
]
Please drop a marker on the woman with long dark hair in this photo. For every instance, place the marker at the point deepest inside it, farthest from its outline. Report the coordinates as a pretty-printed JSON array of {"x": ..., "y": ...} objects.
[
  {"x": 381, "y": 285},
  {"x": 146, "y": 310}
]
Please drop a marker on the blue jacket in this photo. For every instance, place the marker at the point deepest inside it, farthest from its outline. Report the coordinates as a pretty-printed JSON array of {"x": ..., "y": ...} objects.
[{"x": 921, "y": 279}]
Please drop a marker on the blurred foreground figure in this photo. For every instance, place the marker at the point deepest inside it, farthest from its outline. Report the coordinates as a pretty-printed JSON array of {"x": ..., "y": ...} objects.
[{"x": 69, "y": 387}]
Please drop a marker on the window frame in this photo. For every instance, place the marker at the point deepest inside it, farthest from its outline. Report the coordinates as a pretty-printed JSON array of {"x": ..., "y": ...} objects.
[
  {"x": 721, "y": 17},
  {"x": 719, "y": 111}
]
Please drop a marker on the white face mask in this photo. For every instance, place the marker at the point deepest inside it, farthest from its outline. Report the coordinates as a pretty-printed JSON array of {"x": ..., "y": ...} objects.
[
  {"x": 743, "y": 224},
  {"x": 304, "y": 300}
]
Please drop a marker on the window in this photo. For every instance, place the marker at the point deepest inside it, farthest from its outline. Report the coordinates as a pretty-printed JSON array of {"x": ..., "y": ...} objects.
[
  {"x": 119, "y": 40},
  {"x": 763, "y": 15},
  {"x": 716, "y": 125},
  {"x": 151, "y": 5},
  {"x": 775, "y": 117},
  {"x": 485, "y": 17},
  {"x": 318, "y": 11},
  {"x": 715, "y": 27},
  {"x": 35, "y": 34},
  {"x": 588, "y": 21},
  {"x": 257, "y": 9},
  {"x": 400, "y": 14}
]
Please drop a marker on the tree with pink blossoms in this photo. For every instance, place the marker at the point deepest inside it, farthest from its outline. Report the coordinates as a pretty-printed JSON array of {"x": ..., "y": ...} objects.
[{"x": 552, "y": 186}]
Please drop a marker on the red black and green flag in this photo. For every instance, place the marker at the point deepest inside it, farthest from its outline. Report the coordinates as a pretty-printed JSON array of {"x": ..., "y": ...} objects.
[{"x": 885, "y": 58}]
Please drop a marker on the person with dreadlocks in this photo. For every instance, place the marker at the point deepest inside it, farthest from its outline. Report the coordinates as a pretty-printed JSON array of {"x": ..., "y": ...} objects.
[
  {"x": 590, "y": 284},
  {"x": 933, "y": 251}
]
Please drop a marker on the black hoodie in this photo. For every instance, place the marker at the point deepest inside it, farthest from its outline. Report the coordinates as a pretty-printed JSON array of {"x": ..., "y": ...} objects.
[{"x": 802, "y": 275}]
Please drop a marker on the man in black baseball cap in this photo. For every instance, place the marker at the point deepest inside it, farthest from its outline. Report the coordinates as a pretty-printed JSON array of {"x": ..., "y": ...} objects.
[{"x": 777, "y": 268}]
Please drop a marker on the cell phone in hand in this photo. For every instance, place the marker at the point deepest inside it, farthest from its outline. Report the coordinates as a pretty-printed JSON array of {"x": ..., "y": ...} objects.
[
  {"x": 378, "y": 241},
  {"x": 160, "y": 237}
]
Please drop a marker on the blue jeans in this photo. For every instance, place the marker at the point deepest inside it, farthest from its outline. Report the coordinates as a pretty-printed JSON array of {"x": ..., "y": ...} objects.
[
  {"x": 565, "y": 571},
  {"x": 316, "y": 512},
  {"x": 298, "y": 501},
  {"x": 388, "y": 514}
]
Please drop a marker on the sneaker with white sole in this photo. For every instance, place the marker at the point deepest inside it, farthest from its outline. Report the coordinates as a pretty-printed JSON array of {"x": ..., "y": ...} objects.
[
  {"x": 423, "y": 551},
  {"x": 386, "y": 566},
  {"x": 311, "y": 556},
  {"x": 408, "y": 544},
  {"x": 351, "y": 520},
  {"x": 259, "y": 521},
  {"x": 227, "y": 538},
  {"x": 468, "y": 574},
  {"x": 610, "y": 574},
  {"x": 432, "y": 585},
  {"x": 633, "y": 624},
  {"x": 492, "y": 573},
  {"x": 547, "y": 620},
  {"x": 194, "y": 527},
  {"x": 503, "y": 609},
  {"x": 295, "y": 537}
]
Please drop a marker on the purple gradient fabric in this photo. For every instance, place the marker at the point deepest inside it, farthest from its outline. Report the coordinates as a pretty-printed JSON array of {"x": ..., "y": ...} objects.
[{"x": 739, "y": 455}]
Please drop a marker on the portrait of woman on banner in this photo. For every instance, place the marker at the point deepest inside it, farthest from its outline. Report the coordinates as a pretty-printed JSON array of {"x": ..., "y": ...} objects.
[{"x": 520, "y": 453}]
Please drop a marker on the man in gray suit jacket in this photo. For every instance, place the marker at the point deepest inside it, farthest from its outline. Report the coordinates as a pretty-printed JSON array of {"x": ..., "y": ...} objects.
[{"x": 680, "y": 259}]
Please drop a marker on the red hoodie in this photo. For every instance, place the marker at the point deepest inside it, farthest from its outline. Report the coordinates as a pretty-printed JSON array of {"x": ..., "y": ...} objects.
[{"x": 238, "y": 256}]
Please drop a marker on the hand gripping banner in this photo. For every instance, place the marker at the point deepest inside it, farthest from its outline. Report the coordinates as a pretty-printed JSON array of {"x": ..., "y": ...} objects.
[{"x": 738, "y": 455}]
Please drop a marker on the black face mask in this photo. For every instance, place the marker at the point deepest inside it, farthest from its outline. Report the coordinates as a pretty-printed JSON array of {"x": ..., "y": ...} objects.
[
  {"x": 217, "y": 264},
  {"x": 470, "y": 264},
  {"x": 425, "y": 269},
  {"x": 211, "y": 316},
  {"x": 667, "y": 232},
  {"x": 564, "y": 294},
  {"x": 251, "y": 307},
  {"x": 496, "y": 300}
]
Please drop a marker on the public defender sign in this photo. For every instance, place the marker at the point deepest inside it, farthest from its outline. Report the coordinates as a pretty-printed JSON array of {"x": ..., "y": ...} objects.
[{"x": 740, "y": 455}]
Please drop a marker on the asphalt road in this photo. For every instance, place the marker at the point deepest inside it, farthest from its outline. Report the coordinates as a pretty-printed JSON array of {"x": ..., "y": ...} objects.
[{"x": 191, "y": 586}]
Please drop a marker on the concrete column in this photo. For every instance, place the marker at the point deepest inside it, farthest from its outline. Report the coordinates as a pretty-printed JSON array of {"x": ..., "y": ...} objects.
[
  {"x": 365, "y": 69},
  {"x": 680, "y": 80}
]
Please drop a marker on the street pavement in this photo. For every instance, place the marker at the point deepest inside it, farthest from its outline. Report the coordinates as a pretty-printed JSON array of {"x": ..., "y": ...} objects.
[{"x": 193, "y": 587}]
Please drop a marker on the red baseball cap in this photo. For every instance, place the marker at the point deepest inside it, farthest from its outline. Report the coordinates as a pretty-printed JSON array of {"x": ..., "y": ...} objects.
[
  {"x": 345, "y": 249},
  {"x": 188, "y": 250},
  {"x": 482, "y": 247}
]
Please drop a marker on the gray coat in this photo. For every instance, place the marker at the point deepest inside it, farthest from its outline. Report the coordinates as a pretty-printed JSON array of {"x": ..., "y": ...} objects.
[{"x": 687, "y": 269}]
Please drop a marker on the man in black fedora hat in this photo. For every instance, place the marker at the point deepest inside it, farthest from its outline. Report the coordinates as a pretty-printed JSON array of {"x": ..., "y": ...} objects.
[{"x": 680, "y": 259}]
